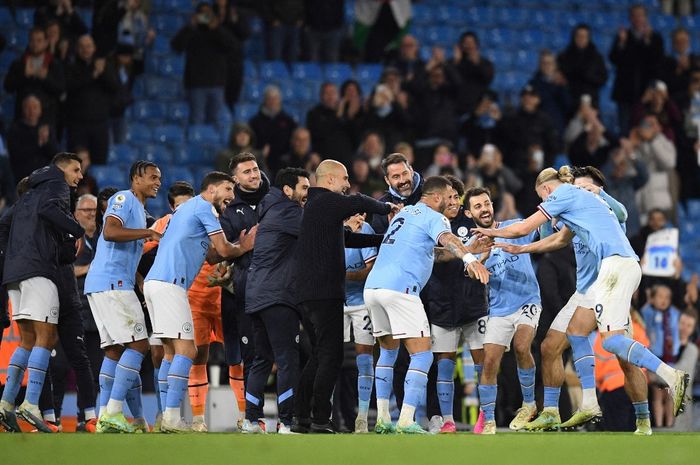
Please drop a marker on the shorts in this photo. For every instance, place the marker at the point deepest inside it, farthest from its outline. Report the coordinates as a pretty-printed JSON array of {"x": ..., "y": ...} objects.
[
  {"x": 501, "y": 329},
  {"x": 34, "y": 299},
  {"x": 118, "y": 316},
  {"x": 446, "y": 340},
  {"x": 617, "y": 280},
  {"x": 169, "y": 309},
  {"x": 396, "y": 314},
  {"x": 561, "y": 321},
  {"x": 206, "y": 318},
  {"x": 357, "y": 318}
]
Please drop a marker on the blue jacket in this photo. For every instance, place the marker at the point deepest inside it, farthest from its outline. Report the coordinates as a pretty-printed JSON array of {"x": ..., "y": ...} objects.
[
  {"x": 40, "y": 220},
  {"x": 270, "y": 276},
  {"x": 654, "y": 322}
]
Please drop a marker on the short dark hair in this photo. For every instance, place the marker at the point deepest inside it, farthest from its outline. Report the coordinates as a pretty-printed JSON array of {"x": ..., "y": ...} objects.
[
  {"x": 393, "y": 159},
  {"x": 471, "y": 34},
  {"x": 138, "y": 168},
  {"x": 290, "y": 177},
  {"x": 37, "y": 29},
  {"x": 473, "y": 192},
  {"x": 62, "y": 158},
  {"x": 240, "y": 158},
  {"x": 591, "y": 172},
  {"x": 348, "y": 83},
  {"x": 22, "y": 186},
  {"x": 177, "y": 189},
  {"x": 326, "y": 84},
  {"x": 214, "y": 178},
  {"x": 435, "y": 183},
  {"x": 106, "y": 193},
  {"x": 457, "y": 184}
]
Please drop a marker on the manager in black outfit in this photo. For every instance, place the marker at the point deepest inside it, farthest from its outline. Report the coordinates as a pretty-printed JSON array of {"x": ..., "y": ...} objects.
[{"x": 320, "y": 271}]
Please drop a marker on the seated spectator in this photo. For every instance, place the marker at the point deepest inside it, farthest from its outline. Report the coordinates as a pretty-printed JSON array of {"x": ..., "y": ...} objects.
[
  {"x": 625, "y": 174},
  {"x": 656, "y": 221},
  {"x": 687, "y": 360},
  {"x": 676, "y": 68},
  {"x": 405, "y": 149},
  {"x": 406, "y": 60},
  {"x": 283, "y": 23},
  {"x": 480, "y": 127},
  {"x": 583, "y": 66},
  {"x": 62, "y": 11},
  {"x": 655, "y": 101},
  {"x": 372, "y": 150},
  {"x": 593, "y": 144},
  {"x": 324, "y": 29},
  {"x": 206, "y": 46},
  {"x": 241, "y": 139},
  {"x": 475, "y": 71},
  {"x": 552, "y": 87},
  {"x": 31, "y": 144},
  {"x": 328, "y": 135},
  {"x": 300, "y": 154},
  {"x": 492, "y": 174},
  {"x": 273, "y": 127},
  {"x": 236, "y": 20},
  {"x": 393, "y": 79},
  {"x": 444, "y": 162},
  {"x": 91, "y": 84},
  {"x": 87, "y": 185},
  {"x": 127, "y": 69},
  {"x": 59, "y": 46},
  {"x": 364, "y": 181},
  {"x": 351, "y": 111},
  {"x": 386, "y": 116}
]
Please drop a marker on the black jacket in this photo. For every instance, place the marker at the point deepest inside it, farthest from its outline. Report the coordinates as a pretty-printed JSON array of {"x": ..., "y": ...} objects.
[
  {"x": 517, "y": 132},
  {"x": 242, "y": 214},
  {"x": 476, "y": 79},
  {"x": 331, "y": 137},
  {"x": 48, "y": 90},
  {"x": 89, "y": 99},
  {"x": 271, "y": 272},
  {"x": 636, "y": 64},
  {"x": 26, "y": 155},
  {"x": 40, "y": 220},
  {"x": 320, "y": 257},
  {"x": 206, "y": 54},
  {"x": 380, "y": 223},
  {"x": 275, "y": 131},
  {"x": 452, "y": 299},
  {"x": 325, "y": 15},
  {"x": 585, "y": 71}
]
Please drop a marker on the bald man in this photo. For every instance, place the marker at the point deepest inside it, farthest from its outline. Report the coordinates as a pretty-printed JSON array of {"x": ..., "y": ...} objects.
[{"x": 320, "y": 286}]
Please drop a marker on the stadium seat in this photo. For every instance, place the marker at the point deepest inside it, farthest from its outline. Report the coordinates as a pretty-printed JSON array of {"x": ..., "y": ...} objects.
[
  {"x": 162, "y": 88},
  {"x": 273, "y": 71},
  {"x": 253, "y": 91},
  {"x": 171, "y": 66},
  {"x": 693, "y": 208},
  {"x": 368, "y": 72},
  {"x": 167, "y": 24},
  {"x": 244, "y": 112},
  {"x": 337, "y": 72},
  {"x": 17, "y": 39},
  {"x": 157, "y": 153},
  {"x": 121, "y": 154},
  {"x": 203, "y": 134},
  {"x": 200, "y": 171},
  {"x": 178, "y": 112},
  {"x": 149, "y": 111},
  {"x": 168, "y": 134},
  {"x": 189, "y": 154},
  {"x": 139, "y": 89},
  {"x": 423, "y": 14},
  {"x": 104, "y": 175},
  {"x": 161, "y": 45},
  {"x": 6, "y": 17},
  {"x": 138, "y": 134},
  {"x": 250, "y": 70},
  {"x": 151, "y": 63},
  {"x": 178, "y": 173},
  {"x": 158, "y": 206},
  {"x": 24, "y": 17},
  {"x": 307, "y": 71}
]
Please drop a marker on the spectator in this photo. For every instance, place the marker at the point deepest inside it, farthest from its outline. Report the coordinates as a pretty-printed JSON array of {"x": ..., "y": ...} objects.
[
  {"x": 372, "y": 149},
  {"x": 592, "y": 146},
  {"x": 242, "y": 139},
  {"x": 300, "y": 154},
  {"x": 352, "y": 113},
  {"x": 62, "y": 11},
  {"x": 36, "y": 72},
  {"x": 326, "y": 127},
  {"x": 687, "y": 142},
  {"x": 625, "y": 175},
  {"x": 475, "y": 71},
  {"x": 273, "y": 127},
  {"x": 687, "y": 360},
  {"x": 283, "y": 22},
  {"x": 236, "y": 21},
  {"x": 495, "y": 176},
  {"x": 637, "y": 53},
  {"x": 379, "y": 25},
  {"x": 31, "y": 144},
  {"x": 393, "y": 79},
  {"x": 481, "y": 124},
  {"x": 406, "y": 59},
  {"x": 676, "y": 67},
  {"x": 121, "y": 22},
  {"x": 583, "y": 66},
  {"x": 405, "y": 149},
  {"x": 133, "y": 29},
  {"x": 127, "y": 69},
  {"x": 552, "y": 87},
  {"x": 386, "y": 116},
  {"x": 655, "y": 101},
  {"x": 7, "y": 184},
  {"x": 87, "y": 185},
  {"x": 324, "y": 29},
  {"x": 91, "y": 84},
  {"x": 364, "y": 181},
  {"x": 656, "y": 221},
  {"x": 206, "y": 45},
  {"x": 59, "y": 46},
  {"x": 444, "y": 162}
]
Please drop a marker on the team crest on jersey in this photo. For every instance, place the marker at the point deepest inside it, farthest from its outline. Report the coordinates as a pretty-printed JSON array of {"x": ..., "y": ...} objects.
[
  {"x": 187, "y": 327},
  {"x": 54, "y": 311},
  {"x": 119, "y": 198},
  {"x": 139, "y": 328},
  {"x": 244, "y": 340},
  {"x": 462, "y": 231}
]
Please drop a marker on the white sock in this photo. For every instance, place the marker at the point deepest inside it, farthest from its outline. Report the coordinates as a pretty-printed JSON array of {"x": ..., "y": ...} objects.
[
  {"x": 171, "y": 415},
  {"x": 198, "y": 419},
  {"x": 50, "y": 417},
  {"x": 383, "y": 410},
  {"x": 667, "y": 373},
  {"x": 406, "y": 417},
  {"x": 114, "y": 406},
  {"x": 89, "y": 414},
  {"x": 447, "y": 418},
  {"x": 590, "y": 400}
]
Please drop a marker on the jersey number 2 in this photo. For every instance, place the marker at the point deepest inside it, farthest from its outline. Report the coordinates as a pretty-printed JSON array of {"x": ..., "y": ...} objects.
[{"x": 397, "y": 225}]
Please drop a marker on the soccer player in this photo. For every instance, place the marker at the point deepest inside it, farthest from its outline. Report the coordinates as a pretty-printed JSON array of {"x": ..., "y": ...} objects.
[
  {"x": 39, "y": 219},
  {"x": 192, "y": 229},
  {"x": 358, "y": 264},
  {"x": 589, "y": 217},
  {"x": 118, "y": 314},
  {"x": 392, "y": 291},
  {"x": 514, "y": 312}
]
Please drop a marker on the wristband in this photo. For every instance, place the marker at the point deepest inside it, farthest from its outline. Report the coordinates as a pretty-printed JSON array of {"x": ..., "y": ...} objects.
[{"x": 468, "y": 259}]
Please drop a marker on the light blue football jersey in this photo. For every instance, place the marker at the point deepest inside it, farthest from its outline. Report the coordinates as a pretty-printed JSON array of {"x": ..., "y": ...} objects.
[
  {"x": 405, "y": 259},
  {"x": 355, "y": 260},
  {"x": 513, "y": 282},
  {"x": 115, "y": 263},
  {"x": 184, "y": 245}
]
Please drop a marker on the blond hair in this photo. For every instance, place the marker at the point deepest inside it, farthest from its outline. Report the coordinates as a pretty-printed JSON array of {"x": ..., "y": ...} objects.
[{"x": 550, "y": 174}]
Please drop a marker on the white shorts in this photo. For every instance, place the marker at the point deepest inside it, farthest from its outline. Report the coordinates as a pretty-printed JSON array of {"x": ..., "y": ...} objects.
[
  {"x": 34, "y": 299},
  {"x": 501, "y": 329},
  {"x": 357, "y": 318},
  {"x": 169, "y": 309},
  {"x": 561, "y": 321},
  {"x": 396, "y": 314},
  {"x": 118, "y": 316},
  {"x": 446, "y": 340},
  {"x": 617, "y": 280}
]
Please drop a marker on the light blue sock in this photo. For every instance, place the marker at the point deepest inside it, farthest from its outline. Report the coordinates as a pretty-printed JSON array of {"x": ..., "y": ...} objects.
[
  {"x": 446, "y": 385},
  {"x": 37, "y": 365},
  {"x": 384, "y": 373},
  {"x": 487, "y": 398},
  {"x": 417, "y": 378},
  {"x": 163, "y": 382},
  {"x": 15, "y": 373},
  {"x": 157, "y": 388},
  {"x": 178, "y": 378},
  {"x": 632, "y": 351},
  {"x": 365, "y": 379},
  {"x": 478, "y": 368},
  {"x": 527, "y": 384},
  {"x": 106, "y": 380},
  {"x": 641, "y": 409},
  {"x": 133, "y": 399},
  {"x": 126, "y": 374},
  {"x": 584, "y": 360},
  {"x": 551, "y": 397}
]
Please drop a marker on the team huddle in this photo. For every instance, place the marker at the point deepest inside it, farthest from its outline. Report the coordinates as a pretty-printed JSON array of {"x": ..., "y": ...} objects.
[{"x": 430, "y": 269}]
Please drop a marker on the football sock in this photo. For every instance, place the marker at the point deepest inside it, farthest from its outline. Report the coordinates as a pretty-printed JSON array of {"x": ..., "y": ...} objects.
[
  {"x": 178, "y": 377},
  {"x": 156, "y": 385},
  {"x": 551, "y": 397},
  {"x": 636, "y": 354},
  {"x": 384, "y": 381},
  {"x": 446, "y": 387},
  {"x": 527, "y": 384},
  {"x": 37, "y": 365},
  {"x": 198, "y": 388},
  {"x": 414, "y": 385},
  {"x": 163, "y": 382},
  {"x": 487, "y": 399},
  {"x": 134, "y": 400},
  {"x": 15, "y": 373},
  {"x": 106, "y": 380},
  {"x": 126, "y": 376},
  {"x": 237, "y": 383},
  {"x": 365, "y": 379},
  {"x": 641, "y": 409}
]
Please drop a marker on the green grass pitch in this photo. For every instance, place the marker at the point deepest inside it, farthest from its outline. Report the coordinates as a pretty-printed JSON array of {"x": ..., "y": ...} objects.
[{"x": 502, "y": 449}]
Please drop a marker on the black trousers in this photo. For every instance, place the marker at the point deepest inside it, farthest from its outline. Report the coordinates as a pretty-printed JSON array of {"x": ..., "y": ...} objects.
[
  {"x": 618, "y": 412},
  {"x": 94, "y": 136},
  {"x": 323, "y": 319},
  {"x": 276, "y": 331},
  {"x": 239, "y": 340}
]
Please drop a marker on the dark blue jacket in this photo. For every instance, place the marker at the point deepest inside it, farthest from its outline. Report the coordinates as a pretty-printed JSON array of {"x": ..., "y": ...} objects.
[
  {"x": 270, "y": 277},
  {"x": 380, "y": 223},
  {"x": 242, "y": 214},
  {"x": 41, "y": 218},
  {"x": 452, "y": 299}
]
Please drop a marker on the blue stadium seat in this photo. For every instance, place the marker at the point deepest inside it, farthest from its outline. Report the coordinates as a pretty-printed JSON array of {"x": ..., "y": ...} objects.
[
  {"x": 6, "y": 60},
  {"x": 423, "y": 14},
  {"x": 483, "y": 16},
  {"x": 526, "y": 60},
  {"x": 273, "y": 71},
  {"x": 16, "y": 39},
  {"x": 139, "y": 89},
  {"x": 459, "y": 17},
  {"x": 502, "y": 59},
  {"x": 307, "y": 91},
  {"x": 244, "y": 112},
  {"x": 256, "y": 25},
  {"x": 178, "y": 173},
  {"x": 157, "y": 153},
  {"x": 162, "y": 88},
  {"x": 158, "y": 206},
  {"x": 203, "y": 134},
  {"x": 178, "y": 112},
  {"x": 138, "y": 134},
  {"x": 104, "y": 175},
  {"x": 250, "y": 70},
  {"x": 168, "y": 134},
  {"x": 252, "y": 91},
  {"x": 368, "y": 72},
  {"x": 307, "y": 71},
  {"x": 337, "y": 72},
  {"x": 172, "y": 66},
  {"x": 24, "y": 17},
  {"x": 149, "y": 110},
  {"x": 200, "y": 171},
  {"x": 167, "y": 24},
  {"x": 151, "y": 63},
  {"x": 188, "y": 154},
  {"x": 161, "y": 45},
  {"x": 693, "y": 207},
  {"x": 121, "y": 154},
  {"x": 6, "y": 17}
]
